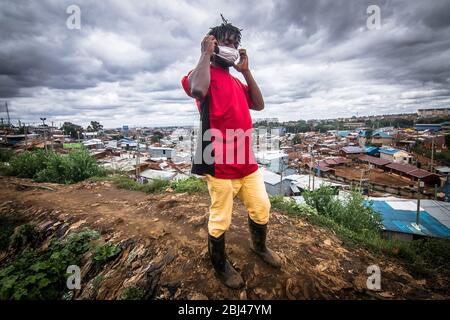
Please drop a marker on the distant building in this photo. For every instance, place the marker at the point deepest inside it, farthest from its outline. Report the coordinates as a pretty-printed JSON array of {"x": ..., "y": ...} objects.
[
  {"x": 351, "y": 152},
  {"x": 276, "y": 186},
  {"x": 161, "y": 152},
  {"x": 428, "y": 126},
  {"x": 89, "y": 135},
  {"x": 274, "y": 160},
  {"x": 382, "y": 138},
  {"x": 395, "y": 155},
  {"x": 93, "y": 144},
  {"x": 436, "y": 112}
]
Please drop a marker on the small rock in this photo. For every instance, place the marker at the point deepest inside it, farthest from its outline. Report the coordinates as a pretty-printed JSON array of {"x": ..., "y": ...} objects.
[{"x": 198, "y": 296}]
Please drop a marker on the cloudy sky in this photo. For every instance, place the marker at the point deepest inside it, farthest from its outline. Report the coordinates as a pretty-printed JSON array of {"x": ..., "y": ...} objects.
[{"x": 311, "y": 58}]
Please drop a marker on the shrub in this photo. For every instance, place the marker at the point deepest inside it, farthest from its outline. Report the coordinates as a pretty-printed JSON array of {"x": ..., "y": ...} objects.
[
  {"x": 42, "y": 274},
  {"x": 105, "y": 253},
  {"x": 5, "y": 154},
  {"x": 28, "y": 164},
  {"x": 190, "y": 185},
  {"x": 350, "y": 212},
  {"x": 49, "y": 166}
]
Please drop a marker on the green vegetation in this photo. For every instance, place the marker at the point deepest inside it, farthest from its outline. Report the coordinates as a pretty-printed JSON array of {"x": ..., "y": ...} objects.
[
  {"x": 190, "y": 185},
  {"x": 105, "y": 253},
  {"x": 73, "y": 146},
  {"x": 350, "y": 213},
  {"x": 5, "y": 154},
  {"x": 132, "y": 293},
  {"x": 42, "y": 274},
  {"x": 48, "y": 166},
  {"x": 71, "y": 129},
  {"x": 357, "y": 225},
  {"x": 155, "y": 185},
  {"x": 8, "y": 222},
  {"x": 25, "y": 234}
]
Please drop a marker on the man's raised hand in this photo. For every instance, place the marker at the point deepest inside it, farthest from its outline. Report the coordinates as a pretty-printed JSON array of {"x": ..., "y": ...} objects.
[{"x": 208, "y": 44}]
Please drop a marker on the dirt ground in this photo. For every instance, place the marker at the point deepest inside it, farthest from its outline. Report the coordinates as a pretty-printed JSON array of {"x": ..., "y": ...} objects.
[
  {"x": 374, "y": 175},
  {"x": 165, "y": 247}
]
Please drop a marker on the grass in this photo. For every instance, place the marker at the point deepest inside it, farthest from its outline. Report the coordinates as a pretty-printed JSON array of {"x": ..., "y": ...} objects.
[
  {"x": 189, "y": 185},
  {"x": 425, "y": 258}
]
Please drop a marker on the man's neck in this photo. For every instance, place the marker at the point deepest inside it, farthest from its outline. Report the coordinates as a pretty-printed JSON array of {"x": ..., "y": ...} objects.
[{"x": 221, "y": 67}]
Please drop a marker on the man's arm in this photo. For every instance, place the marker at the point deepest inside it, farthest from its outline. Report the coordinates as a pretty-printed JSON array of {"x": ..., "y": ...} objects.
[
  {"x": 254, "y": 91},
  {"x": 200, "y": 77}
]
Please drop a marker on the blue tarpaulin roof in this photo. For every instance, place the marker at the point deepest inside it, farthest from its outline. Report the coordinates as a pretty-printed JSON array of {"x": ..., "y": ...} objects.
[{"x": 403, "y": 221}]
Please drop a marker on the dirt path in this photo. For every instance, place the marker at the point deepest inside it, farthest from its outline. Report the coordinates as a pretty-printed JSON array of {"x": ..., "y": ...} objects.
[{"x": 167, "y": 233}]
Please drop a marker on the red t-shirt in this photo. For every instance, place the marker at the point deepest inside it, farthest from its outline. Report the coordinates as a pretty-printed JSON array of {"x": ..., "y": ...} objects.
[{"x": 225, "y": 110}]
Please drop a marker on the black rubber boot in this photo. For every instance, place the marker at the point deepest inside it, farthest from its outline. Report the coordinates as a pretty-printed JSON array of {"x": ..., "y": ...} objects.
[
  {"x": 258, "y": 233},
  {"x": 224, "y": 270}
]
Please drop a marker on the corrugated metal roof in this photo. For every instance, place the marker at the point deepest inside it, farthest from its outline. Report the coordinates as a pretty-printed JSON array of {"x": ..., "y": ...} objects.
[
  {"x": 374, "y": 160},
  {"x": 399, "y": 215},
  {"x": 390, "y": 150},
  {"x": 351, "y": 149}
]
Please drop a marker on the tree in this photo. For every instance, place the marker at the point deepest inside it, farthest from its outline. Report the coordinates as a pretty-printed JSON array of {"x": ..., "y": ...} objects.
[
  {"x": 368, "y": 136},
  {"x": 157, "y": 135},
  {"x": 296, "y": 139},
  {"x": 447, "y": 140},
  {"x": 95, "y": 126},
  {"x": 71, "y": 129}
]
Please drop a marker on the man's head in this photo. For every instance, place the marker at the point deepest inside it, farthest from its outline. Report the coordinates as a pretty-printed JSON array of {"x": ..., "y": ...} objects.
[{"x": 226, "y": 35}]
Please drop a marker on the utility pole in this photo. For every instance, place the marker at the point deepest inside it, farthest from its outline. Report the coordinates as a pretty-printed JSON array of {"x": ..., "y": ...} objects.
[
  {"x": 45, "y": 132},
  {"x": 7, "y": 113},
  {"x": 137, "y": 160},
  {"x": 310, "y": 165},
  {"x": 418, "y": 203},
  {"x": 51, "y": 136},
  {"x": 432, "y": 154}
]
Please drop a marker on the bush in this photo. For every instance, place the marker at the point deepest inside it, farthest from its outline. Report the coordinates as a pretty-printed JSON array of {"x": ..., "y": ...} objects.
[
  {"x": 42, "y": 274},
  {"x": 350, "y": 212},
  {"x": 190, "y": 185},
  {"x": 105, "y": 253},
  {"x": 49, "y": 166},
  {"x": 5, "y": 154},
  {"x": 28, "y": 164}
]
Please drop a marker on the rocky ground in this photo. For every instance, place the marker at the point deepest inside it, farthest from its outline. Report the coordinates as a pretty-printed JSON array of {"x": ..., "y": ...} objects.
[{"x": 163, "y": 237}]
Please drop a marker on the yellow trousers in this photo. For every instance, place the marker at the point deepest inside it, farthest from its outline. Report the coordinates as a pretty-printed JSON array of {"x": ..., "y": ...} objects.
[{"x": 250, "y": 190}]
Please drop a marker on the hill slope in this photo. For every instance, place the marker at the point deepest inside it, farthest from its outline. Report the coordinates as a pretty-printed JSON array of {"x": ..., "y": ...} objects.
[{"x": 164, "y": 248}]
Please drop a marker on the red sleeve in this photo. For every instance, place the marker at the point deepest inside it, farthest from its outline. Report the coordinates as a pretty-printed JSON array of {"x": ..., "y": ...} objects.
[
  {"x": 247, "y": 93},
  {"x": 185, "y": 84}
]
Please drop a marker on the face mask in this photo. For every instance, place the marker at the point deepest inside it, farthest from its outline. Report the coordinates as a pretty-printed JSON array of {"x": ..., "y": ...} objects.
[{"x": 227, "y": 55}]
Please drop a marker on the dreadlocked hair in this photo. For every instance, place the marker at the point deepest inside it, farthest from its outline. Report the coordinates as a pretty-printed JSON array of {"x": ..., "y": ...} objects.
[{"x": 226, "y": 28}]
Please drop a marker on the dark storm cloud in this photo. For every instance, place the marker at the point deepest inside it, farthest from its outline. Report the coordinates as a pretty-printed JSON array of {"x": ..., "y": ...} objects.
[{"x": 309, "y": 56}]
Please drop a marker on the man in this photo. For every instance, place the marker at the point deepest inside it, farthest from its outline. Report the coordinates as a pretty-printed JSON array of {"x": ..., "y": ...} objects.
[{"x": 224, "y": 103}]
